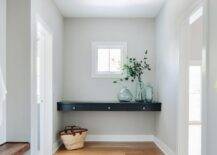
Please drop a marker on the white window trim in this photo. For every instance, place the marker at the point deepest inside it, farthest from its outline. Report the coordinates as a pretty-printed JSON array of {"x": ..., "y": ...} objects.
[
  {"x": 95, "y": 46},
  {"x": 195, "y": 63}
]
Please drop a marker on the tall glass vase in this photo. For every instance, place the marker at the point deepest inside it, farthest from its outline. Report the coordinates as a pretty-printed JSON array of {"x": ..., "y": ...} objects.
[
  {"x": 140, "y": 91},
  {"x": 149, "y": 93}
]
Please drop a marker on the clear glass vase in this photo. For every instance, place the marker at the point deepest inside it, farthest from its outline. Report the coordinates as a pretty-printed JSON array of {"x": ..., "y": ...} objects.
[
  {"x": 149, "y": 93},
  {"x": 125, "y": 95},
  {"x": 140, "y": 91}
]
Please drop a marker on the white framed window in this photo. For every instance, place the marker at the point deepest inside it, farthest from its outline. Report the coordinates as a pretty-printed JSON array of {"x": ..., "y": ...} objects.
[{"x": 108, "y": 58}]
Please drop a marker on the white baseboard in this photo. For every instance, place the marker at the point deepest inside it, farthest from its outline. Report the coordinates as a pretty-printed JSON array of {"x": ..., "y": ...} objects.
[
  {"x": 164, "y": 148},
  {"x": 120, "y": 138},
  {"x": 56, "y": 146}
]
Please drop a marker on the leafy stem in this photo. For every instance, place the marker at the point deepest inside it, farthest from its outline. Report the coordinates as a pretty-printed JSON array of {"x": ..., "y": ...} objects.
[{"x": 134, "y": 69}]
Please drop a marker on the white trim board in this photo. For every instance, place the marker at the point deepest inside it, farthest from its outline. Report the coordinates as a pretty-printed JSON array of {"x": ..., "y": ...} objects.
[
  {"x": 163, "y": 147},
  {"x": 3, "y": 66},
  {"x": 56, "y": 146},
  {"x": 36, "y": 138}
]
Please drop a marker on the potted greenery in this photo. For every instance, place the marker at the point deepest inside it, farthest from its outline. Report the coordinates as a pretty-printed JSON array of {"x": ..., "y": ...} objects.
[{"x": 133, "y": 70}]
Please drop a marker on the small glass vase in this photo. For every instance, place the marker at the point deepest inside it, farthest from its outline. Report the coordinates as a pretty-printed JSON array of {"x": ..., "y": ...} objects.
[
  {"x": 140, "y": 91},
  {"x": 149, "y": 93},
  {"x": 125, "y": 95}
]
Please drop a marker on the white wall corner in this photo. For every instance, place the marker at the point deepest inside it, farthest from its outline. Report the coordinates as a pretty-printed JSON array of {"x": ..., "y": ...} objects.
[
  {"x": 56, "y": 146},
  {"x": 164, "y": 148},
  {"x": 121, "y": 138}
]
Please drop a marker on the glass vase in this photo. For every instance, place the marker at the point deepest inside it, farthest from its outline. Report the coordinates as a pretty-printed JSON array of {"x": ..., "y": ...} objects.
[
  {"x": 148, "y": 93},
  {"x": 125, "y": 95},
  {"x": 140, "y": 91}
]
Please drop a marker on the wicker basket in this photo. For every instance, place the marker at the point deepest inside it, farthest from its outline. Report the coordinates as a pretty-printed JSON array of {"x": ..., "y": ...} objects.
[{"x": 73, "y": 137}]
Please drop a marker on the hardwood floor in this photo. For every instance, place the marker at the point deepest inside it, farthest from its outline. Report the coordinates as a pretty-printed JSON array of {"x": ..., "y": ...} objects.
[
  {"x": 14, "y": 148},
  {"x": 114, "y": 148}
]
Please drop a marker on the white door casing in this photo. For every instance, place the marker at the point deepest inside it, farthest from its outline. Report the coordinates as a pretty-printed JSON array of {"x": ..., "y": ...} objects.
[
  {"x": 42, "y": 82},
  {"x": 2, "y": 71},
  {"x": 184, "y": 47}
]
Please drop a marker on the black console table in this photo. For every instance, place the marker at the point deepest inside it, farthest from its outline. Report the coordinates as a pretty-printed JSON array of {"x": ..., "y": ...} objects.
[{"x": 108, "y": 106}]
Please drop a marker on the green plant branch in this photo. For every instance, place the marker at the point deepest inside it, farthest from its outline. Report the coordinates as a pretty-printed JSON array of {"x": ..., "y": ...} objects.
[{"x": 134, "y": 69}]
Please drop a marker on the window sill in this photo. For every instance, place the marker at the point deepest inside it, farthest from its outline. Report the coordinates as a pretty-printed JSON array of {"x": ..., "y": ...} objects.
[{"x": 106, "y": 76}]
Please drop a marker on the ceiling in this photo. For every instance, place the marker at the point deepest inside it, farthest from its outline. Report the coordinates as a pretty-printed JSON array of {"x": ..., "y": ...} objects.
[{"x": 109, "y": 8}]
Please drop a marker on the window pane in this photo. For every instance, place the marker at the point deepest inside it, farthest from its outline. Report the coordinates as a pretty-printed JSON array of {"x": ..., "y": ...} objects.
[
  {"x": 115, "y": 60},
  {"x": 194, "y": 140},
  {"x": 195, "y": 93},
  {"x": 103, "y": 60}
]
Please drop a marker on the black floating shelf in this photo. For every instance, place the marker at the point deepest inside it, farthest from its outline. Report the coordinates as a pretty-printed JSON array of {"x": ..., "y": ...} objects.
[{"x": 108, "y": 106}]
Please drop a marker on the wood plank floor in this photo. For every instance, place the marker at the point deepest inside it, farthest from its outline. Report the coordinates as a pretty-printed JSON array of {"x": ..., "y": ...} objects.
[
  {"x": 14, "y": 148},
  {"x": 114, "y": 148}
]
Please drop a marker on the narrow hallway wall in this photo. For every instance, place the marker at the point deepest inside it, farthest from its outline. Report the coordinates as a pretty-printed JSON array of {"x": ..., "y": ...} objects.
[
  {"x": 167, "y": 69},
  {"x": 212, "y": 85},
  {"x": 18, "y": 46}
]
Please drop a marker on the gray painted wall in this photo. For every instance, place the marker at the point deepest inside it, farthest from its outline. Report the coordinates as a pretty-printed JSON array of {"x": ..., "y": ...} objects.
[
  {"x": 167, "y": 68},
  {"x": 18, "y": 63},
  {"x": 196, "y": 40},
  {"x": 79, "y": 85},
  {"x": 212, "y": 106},
  {"x": 18, "y": 44}
]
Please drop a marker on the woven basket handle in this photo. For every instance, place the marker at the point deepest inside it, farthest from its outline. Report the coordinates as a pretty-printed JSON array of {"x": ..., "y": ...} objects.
[{"x": 69, "y": 127}]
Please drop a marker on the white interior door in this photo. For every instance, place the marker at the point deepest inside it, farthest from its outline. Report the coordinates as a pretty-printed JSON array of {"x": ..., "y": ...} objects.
[{"x": 43, "y": 92}]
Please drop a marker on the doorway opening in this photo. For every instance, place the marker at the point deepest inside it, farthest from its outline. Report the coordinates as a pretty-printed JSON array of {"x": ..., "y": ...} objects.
[
  {"x": 195, "y": 83},
  {"x": 42, "y": 109},
  {"x": 191, "y": 117}
]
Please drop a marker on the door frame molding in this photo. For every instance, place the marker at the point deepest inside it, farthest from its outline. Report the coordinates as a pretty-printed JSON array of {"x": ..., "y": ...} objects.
[
  {"x": 48, "y": 87},
  {"x": 3, "y": 59},
  {"x": 182, "y": 118}
]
